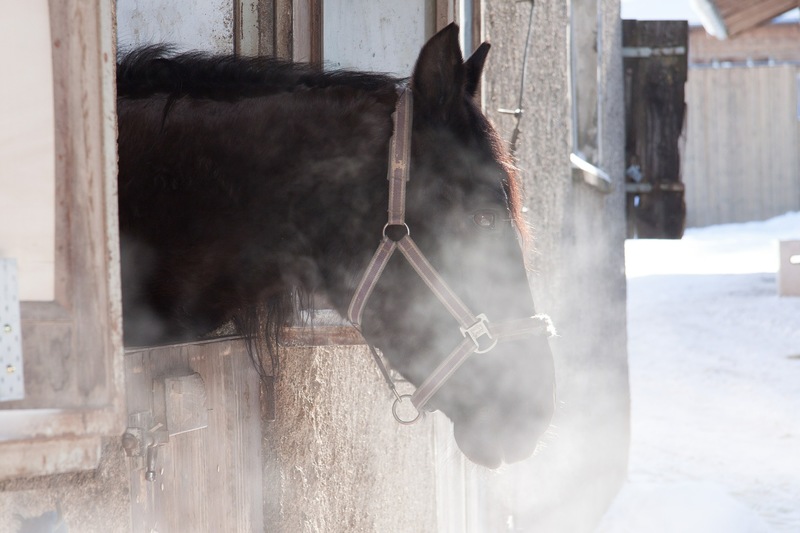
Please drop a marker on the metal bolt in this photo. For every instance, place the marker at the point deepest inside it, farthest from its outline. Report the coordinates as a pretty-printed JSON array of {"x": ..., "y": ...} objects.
[
  {"x": 150, "y": 460},
  {"x": 7, "y": 328},
  {"x": 130, "y": 443},
  {"x": 10, "y": 369}
]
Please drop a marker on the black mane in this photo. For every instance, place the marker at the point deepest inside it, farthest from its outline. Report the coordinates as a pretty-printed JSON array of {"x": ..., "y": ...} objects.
[{"x": 158, "y": 69}]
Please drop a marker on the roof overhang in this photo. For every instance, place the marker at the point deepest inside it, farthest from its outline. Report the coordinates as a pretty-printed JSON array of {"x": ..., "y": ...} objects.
[
  {"x": 710, "y": 18},
  {"x": 725, "y": 18}
]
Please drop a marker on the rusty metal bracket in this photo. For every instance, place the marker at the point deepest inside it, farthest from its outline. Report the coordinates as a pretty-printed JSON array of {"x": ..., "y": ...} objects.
[{"x": 645, "y": 188}]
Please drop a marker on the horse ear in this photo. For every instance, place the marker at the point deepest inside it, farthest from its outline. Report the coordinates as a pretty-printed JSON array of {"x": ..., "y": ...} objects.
[
  {"x": 438, "y": 81},
  {"x": 474, "y": 67}
]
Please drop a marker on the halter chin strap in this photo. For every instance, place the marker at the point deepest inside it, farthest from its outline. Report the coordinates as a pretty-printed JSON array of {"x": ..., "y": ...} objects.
[{"x": 480, "y": 335}]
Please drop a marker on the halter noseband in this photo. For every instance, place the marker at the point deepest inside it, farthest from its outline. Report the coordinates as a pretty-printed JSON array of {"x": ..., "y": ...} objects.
[{"x": 480, "y": 335}]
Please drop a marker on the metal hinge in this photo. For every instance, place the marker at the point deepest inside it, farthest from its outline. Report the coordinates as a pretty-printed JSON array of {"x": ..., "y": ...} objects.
[
  {"x": 12, "y": 382},
  {"x": 645, "y": 188},
  {"x": 646, "y": 51},
  {"x": 639, "y": 186}
]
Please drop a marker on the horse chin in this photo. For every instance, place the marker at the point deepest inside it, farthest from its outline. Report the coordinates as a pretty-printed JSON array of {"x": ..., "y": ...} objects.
[{"x": 490, "y": 448}]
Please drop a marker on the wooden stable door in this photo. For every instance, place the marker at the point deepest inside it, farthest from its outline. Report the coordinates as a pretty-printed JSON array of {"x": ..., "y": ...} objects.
[{"x": 655, "y": 61}]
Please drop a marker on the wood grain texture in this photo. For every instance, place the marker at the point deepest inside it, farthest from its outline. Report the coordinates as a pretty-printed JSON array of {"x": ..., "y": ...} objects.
[
  {"x": 73, "y": 345},
  {"x": 741, "y": 157},
  {"x": 742, "y": 15},
  {"x": 209, "y": 479},
  {"x": 655, "y": 109}
]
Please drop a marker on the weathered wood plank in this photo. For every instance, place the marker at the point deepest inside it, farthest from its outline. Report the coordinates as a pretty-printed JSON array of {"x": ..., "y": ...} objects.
[
  {"x": 307, "y": 31},
  {"x": 73, "y": 345},
  {"x": 209, "y": 479},
  {"x": 655, "y": 109},
  {"x": 41, "y": 457},
  {"x": 741, "y": 156}
]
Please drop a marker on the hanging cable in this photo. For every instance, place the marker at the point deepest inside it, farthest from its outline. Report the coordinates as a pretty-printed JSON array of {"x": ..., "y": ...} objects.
[{"x": 524, "y": 71}]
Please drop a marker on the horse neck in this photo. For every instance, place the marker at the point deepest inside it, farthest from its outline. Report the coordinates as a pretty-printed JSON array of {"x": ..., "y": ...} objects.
[{"x": 334, "y": 187}]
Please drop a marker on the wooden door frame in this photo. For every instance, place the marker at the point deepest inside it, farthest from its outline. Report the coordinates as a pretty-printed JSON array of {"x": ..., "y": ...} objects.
[{"x": 72, "y": 346}]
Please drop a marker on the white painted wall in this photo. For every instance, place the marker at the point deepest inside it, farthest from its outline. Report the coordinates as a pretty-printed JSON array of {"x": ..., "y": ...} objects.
[
  {"x": 196, "y": 25},
  {"x": 27, "y": 147},
  {"x": 376, "y": 35}
]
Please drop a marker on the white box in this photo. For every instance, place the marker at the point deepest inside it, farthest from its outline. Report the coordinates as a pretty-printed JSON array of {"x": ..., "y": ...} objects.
[{"x": 789, "y": 269}]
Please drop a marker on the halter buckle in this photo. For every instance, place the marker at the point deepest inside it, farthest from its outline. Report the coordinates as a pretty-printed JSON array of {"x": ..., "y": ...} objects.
[{"x": 477, "y": 330}]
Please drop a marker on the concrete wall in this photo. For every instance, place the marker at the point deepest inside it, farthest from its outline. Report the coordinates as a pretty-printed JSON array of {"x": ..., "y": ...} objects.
[
  {"x": 197, "y": 25},
  {"x": 379, "y": 35},
  {"x": 577, "y": 264}
]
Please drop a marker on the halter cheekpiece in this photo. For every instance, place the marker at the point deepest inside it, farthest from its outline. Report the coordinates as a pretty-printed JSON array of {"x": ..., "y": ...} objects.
[{"x": 480, "y": 334}]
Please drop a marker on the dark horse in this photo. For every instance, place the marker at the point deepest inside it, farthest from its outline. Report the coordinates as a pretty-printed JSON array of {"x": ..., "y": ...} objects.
[{"x": 245, "y": 182}]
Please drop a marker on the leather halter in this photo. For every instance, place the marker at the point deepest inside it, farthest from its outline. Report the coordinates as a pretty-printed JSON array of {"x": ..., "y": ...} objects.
[{"x": 480, "y": 335}]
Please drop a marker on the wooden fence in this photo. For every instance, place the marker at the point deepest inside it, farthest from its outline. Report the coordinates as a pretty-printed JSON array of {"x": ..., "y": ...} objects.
[{"x": 741, "y": 159}]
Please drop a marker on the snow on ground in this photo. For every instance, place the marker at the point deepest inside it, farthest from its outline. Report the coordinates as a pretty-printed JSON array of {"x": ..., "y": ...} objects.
[{"x": 714, "y": 358}]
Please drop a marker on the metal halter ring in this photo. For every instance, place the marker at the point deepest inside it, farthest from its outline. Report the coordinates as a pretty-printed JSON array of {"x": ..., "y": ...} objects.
[
  {"x": 386, "y": 226},
  {"x": 402, "y": 420}
]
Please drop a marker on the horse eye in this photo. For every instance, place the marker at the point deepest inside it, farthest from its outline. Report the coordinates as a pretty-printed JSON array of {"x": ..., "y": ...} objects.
[{"x": 484, "y": 219}]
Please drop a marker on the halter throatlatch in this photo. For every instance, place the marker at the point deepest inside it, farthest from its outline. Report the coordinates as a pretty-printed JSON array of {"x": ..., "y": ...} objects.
[{"x": 480, "y": 335}]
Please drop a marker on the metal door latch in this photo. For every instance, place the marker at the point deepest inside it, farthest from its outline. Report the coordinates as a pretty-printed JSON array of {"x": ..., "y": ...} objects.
[{"x": 179, "y": 406}]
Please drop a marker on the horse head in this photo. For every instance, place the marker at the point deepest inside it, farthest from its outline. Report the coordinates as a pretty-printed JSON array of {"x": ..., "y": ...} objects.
[
  {"x": 242, "y": 181},
  {"x": 463, "y": 211}
]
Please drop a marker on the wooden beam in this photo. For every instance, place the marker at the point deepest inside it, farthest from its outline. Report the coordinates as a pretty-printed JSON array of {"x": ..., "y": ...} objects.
[
  {"x": 711, "y": 18},
  {"x": 722, "y": 18},
  {"x": 750, "y": 15},
  {"x": 445, "y": 13},
  {"x": 477, "y": 25},
  {"x": 283, "y": 29},
  {"x": 307, "y": 31}
]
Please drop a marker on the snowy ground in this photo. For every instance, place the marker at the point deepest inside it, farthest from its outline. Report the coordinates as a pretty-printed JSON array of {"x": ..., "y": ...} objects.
[{"x": 715, "y": 385}]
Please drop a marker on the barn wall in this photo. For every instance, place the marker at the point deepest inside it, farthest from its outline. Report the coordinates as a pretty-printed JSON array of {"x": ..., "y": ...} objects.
[
  {"x": 741, "y": 159},
  {"x": 367, "y": 37},
  {"x": 577, "y": 264},
  {"x": 197, "y": 25}
]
